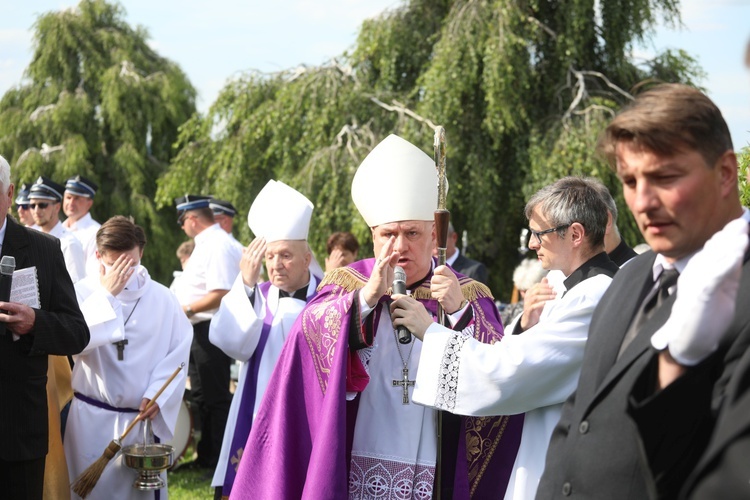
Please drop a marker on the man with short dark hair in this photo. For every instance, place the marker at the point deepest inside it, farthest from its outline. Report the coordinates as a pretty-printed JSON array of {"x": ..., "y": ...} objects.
[
  {"x": 672, "y": 151},
  {"x": 207, "y": 277},
  {"x": 139, "y": 336},
  {"x": 699, "y": 377}
]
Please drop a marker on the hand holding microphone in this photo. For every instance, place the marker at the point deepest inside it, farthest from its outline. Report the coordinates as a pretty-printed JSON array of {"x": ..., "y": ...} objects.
[
  {"x": 7, "y": 267},
  {"x": 409, "y": 316},
  {"x": 399, "y": 287}
]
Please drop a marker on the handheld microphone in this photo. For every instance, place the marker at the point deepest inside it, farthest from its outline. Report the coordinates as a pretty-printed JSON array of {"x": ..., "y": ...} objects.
[
  {"x": 399, "y": 286},
  {"x": 7, "y": 266}
]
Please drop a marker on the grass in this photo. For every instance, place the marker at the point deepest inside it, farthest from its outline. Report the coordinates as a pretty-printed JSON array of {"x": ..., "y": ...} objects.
[{"x": 189, "y": 484}]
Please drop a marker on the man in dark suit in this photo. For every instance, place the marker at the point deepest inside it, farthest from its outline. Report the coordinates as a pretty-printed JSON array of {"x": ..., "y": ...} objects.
[
  {"x": 679, "y": 388},
  {"x": 464, "y": 265},
  {"x": 672, "y": 150},
  {"x": 693, "y": 450},
  {"x": 56, "y": 327}
]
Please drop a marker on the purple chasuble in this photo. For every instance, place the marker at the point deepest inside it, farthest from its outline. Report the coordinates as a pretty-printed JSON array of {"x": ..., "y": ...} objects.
[
  {"x": 245, "y": 416},
  {"x": 300, "y": 443}
]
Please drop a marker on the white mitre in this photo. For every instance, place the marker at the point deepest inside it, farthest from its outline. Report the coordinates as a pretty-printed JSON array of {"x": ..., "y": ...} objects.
[
  {"x": 280, "y": 212},
  {"x": 397, "y": 181}
]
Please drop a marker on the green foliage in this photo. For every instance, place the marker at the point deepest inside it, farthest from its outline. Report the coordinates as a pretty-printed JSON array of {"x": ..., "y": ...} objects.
[
  {"x": 97, "y": 89},
  {"x": 743, "y": 158},
  {"x": 523, "y": 88}
]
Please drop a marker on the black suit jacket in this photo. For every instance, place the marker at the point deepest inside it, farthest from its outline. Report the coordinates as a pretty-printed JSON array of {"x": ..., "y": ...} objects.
[
  {"x": 594, "y": 452},
  {"x": 471, "y": 268},
  {"x": 696, "y": 433},
  {"x": 59, "y": 328}
]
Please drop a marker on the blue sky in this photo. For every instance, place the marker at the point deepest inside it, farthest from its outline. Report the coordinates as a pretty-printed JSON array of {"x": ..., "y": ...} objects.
[{"x": 212, "y": 41}]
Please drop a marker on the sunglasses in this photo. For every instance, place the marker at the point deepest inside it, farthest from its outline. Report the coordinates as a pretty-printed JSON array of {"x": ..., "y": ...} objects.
[
  {"x": 23, "y": 207},
  {"x": 42, "y": 206},
  {"x": 183, "y": 218}
]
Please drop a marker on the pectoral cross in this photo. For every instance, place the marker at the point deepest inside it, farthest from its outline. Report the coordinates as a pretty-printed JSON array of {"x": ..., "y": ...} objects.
[
  {"x": 405, "y": 383},
  {"x": 121, "y": 348}
]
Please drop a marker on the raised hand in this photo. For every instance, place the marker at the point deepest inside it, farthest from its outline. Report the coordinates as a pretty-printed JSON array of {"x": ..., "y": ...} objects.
[
  {"x": 533, "y": 303},
  {"x": 252, "y": 258},
  {"x": 706, "y": 296},
  {"x": 382, "y": 274},
  {"x": 115, "y": 278},
  {"x": 335, "y": 260}
]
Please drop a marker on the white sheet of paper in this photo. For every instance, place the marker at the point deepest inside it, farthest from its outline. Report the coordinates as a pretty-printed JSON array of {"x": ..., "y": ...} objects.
[{"x": 25, "y": 287}]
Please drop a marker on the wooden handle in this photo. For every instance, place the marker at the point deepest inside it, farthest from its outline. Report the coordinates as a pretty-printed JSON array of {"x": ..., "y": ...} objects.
[
  {"x": 442, "y": 217},
  {"x": 151, "y": 403}
]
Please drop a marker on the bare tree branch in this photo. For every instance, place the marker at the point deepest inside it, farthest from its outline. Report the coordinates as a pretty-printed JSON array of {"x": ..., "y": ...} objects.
[
  {"x": 581, "y": 92},
  {"x": 403, "y": 110},
  {"x": 546, "y": 28}
]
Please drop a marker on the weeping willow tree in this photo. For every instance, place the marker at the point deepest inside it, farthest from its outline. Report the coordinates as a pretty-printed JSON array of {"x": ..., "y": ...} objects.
[
  {"x": 101, "y": 103},
  {"x": 523, "y": 87}
]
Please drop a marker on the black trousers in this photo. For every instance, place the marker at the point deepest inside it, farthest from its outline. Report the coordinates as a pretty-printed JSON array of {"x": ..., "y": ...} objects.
[
  {"x": 23, "y": 480},
  {"x": 209, "y": 387}
]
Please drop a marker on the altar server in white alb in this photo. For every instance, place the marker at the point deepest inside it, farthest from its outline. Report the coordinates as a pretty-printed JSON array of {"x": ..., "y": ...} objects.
[
  {"x": 255, "y": 318},
  {"x": 139, "y": 336},
  {"x": 534, "y": 370},
  {"x": 45, "y": 196},
  {"x": 77, "y": 202}
]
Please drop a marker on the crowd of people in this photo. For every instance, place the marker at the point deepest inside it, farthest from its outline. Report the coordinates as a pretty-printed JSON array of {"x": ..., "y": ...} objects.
[{"x": 617, "y": 375}]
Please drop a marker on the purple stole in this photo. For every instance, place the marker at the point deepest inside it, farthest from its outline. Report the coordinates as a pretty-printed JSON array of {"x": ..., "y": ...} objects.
[
  {"x": 302, "y": 436},
  {"x": 245, "y": 416}
]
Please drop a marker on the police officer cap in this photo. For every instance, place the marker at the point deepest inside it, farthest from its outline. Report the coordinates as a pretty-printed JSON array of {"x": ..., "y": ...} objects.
[
  {"x": 81, "y": 186},
  {"x": 46, "y": 189},
  {"x": 222, "y": 207}
]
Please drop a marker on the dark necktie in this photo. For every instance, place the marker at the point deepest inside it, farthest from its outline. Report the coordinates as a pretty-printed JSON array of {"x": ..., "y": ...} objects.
[{"x": 652, "y": 302}]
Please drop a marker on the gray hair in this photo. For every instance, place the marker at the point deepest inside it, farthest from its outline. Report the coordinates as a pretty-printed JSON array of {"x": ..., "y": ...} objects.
[
  {"x": 4, "y": 173},
  {"x": 605, "y": 194},
  {"x": 569, "y": 200},
  {"x": 528, "y": 273}
]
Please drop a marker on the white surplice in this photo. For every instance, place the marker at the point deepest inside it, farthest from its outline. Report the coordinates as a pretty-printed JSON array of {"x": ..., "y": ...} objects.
[
  {"x": 395, "y": 445},
  {"x": 159, "y": 335},
  {"x": 388, "y": 457},
  {"x": 236, "y": 330},
  {"x": 534, "y": 372}
]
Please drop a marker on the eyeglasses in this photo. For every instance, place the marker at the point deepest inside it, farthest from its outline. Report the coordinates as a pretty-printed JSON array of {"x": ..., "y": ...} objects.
[
  {"x": 539, "y": 234},
  {"x": 41, "y": 206},
  {"x": 23, "y": 207},
  {"x": 181, "y": 220}
]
